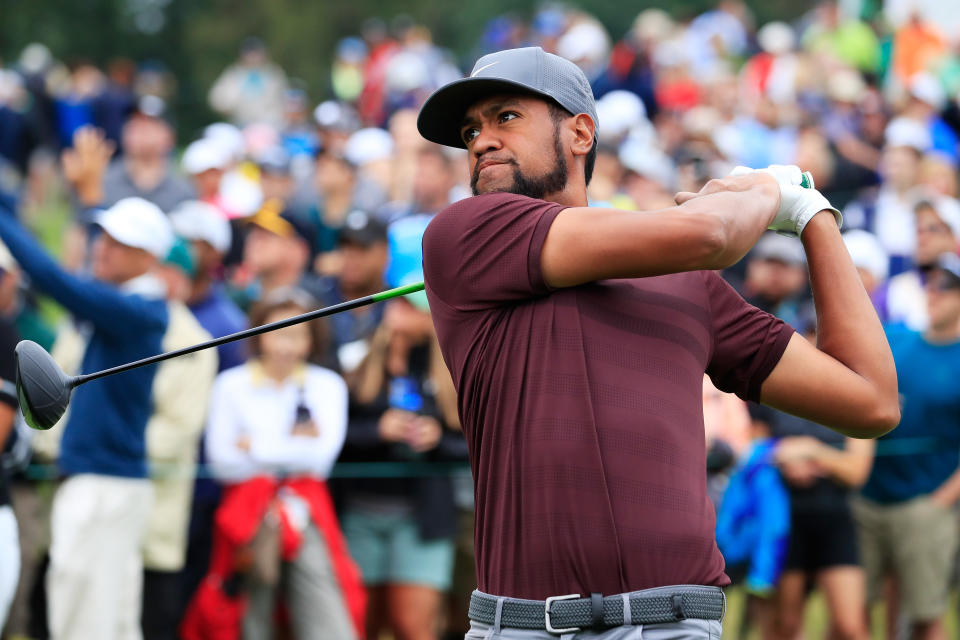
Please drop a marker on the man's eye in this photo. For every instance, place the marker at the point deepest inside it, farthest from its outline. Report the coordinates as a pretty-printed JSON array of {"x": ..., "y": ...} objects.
[
  {"x": 469, "y": 134},
  {"x": 507, "y": 115}
]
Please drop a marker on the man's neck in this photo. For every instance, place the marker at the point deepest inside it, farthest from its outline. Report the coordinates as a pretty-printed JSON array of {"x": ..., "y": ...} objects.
[
  {"x": 948, "y": 333},
  {"x": 573, "y": 195},
  {"x": 285, "y": 277},
  {"x": 146, "y": 172},
  {"x": 200, "y": 290},
  {"x": 358, "y": 291}
]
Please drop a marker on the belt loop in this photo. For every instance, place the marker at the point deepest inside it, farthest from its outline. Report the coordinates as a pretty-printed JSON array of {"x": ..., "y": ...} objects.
[
  {"x": 678, "y": 606},
  {"x": 627, "y": 614},
  {"x": 596, "y": 610},
  {"x": 498, "y": 615}
]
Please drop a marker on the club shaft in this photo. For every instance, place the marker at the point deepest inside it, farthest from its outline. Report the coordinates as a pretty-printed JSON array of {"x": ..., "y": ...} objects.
[{"x": 254, "y": 331}]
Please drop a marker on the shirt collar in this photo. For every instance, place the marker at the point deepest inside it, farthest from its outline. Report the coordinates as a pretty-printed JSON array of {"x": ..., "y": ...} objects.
[
  {"x": 146, "y": 285},
  {"x": 259, "y": 377}
]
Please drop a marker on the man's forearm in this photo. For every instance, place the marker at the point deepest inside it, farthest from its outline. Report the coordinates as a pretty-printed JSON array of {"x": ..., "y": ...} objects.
[
  {"x": 710, "y": 230},
  {"x": 848, "y": 328}
]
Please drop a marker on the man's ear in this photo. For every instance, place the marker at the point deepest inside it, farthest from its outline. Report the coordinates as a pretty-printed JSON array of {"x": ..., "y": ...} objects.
[{"x": 584, "y": 132}]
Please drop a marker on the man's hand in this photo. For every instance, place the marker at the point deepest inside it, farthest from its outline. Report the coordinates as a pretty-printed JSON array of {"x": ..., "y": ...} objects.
[
  {"x": 395, "y": 424},
  {"x": 424, "y": 434},
  {"x": 86, "y": 163},
  {"x": 798, "y": 204}
]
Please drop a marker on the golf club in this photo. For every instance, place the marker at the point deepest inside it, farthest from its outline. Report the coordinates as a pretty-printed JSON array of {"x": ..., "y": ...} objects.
[{"x": 43, "y": 389}]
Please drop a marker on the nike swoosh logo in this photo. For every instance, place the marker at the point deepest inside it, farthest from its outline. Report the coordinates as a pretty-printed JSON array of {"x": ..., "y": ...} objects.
[{"x": 486, "y": 66}]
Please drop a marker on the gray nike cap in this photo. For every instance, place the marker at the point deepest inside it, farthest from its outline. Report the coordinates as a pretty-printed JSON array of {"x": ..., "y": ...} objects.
[{"x": 529, "y": 70}]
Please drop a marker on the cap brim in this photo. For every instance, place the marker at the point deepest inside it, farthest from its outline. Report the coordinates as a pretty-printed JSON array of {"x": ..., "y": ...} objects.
[{"x": 442, "y": 114}]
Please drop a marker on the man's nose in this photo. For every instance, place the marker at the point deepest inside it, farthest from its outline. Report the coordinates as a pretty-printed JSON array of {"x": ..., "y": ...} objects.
[{"x": 486, "y": 140}]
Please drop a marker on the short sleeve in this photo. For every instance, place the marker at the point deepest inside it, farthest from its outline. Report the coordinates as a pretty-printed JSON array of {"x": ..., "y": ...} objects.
[
  {"x": 748, "y": 342},
  {"x": 485, "y": 251}
]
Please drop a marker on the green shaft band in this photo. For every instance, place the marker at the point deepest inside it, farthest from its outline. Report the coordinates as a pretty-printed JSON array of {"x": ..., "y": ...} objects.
[{"x": 399, "y": 291}]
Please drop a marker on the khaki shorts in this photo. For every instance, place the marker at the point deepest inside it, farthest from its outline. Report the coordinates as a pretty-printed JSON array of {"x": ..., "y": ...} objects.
[{"x": 917, "y": 542}]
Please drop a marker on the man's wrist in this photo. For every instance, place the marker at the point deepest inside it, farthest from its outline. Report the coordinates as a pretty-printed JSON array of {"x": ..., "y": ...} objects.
[{"x": 824, "y": 219}]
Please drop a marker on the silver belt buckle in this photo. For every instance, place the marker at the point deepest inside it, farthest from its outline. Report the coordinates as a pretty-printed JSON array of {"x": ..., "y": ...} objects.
[{"x": 546, "y": 613}]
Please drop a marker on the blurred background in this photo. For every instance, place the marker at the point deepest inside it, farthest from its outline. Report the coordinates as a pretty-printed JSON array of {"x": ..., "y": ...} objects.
[{"x": 278, "y": 141}]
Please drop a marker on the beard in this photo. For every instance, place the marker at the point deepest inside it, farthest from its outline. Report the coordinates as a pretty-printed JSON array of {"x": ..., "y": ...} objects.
[{"x": 531, "y": 186}]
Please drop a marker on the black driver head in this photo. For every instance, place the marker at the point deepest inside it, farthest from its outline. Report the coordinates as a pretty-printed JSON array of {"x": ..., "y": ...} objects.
[{"x": 43, "y": 389}]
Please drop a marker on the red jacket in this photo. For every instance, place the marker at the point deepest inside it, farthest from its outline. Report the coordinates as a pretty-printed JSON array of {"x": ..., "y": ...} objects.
[{"x": 215, "y": 615}]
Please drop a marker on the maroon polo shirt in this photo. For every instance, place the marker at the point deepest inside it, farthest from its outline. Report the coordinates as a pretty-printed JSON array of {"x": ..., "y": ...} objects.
[{"x": 582, "y": 406}]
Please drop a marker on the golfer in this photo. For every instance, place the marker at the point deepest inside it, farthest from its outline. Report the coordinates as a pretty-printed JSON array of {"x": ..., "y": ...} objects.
[{"x": 578, "y": 338}]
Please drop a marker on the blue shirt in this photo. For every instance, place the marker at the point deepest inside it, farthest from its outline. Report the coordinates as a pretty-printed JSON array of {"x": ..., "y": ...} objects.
[
  {"x": 920, "y": 454},
  {"x": 105, "y": 430},
  {"x": 220, "y": 316}
]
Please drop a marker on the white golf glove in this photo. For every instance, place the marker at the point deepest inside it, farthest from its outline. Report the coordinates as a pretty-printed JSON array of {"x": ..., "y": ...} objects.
[{"x": 797, "y": 204}]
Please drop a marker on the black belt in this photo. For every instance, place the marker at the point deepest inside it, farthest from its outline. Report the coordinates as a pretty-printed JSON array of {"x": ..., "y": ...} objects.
[{"x": 570, "y": 613}]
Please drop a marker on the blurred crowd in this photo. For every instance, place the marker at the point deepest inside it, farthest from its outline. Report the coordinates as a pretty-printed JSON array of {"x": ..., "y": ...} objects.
[{"x": 312, "y": 482}]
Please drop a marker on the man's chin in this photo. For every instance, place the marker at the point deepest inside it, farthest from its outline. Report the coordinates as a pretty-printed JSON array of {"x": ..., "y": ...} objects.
[{"x": 494, "y": 186}]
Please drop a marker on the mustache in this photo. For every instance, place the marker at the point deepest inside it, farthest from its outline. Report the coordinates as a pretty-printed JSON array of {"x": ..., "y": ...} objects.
[{"x": 490, "y": 158}]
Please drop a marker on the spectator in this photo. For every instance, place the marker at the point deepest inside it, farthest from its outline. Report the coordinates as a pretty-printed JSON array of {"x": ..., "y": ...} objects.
[
  {"x": 276, "y": 427},
  {"x": 276, "y": 180},
  {"x": 336, "y": 180},
  {"x": 903, "y": 299},
  {"x": 252, "y": 89},
  {"x": 890, "y": 216},
  {"x": 363, "y": 261},
  {"x": 116, "y": 100},
  {"x": 819, "y": 468},
  {"x": 401, "y": 531},
  {"x": 209, "y": 235},
  {"x": 336, "y": 122},
  {"x": 927, "y": 100},
  {"x": 276, "y": 253},
  {"x": 905, "y": 514},
  {"x": 100, "y": 511},
  {"x": 181, "y": 391},
  {"x": 869, "y": 258},
  {"x": 753, "y": 522},
  {"x": 9, "y": 542},
  {"x": 145, "y": 170},
  {"x": 433, "y": 185},
  {"x": 205, "y": 161},
  {"x": 835, "y": 37},
  {"x": 776, "y": 279}
]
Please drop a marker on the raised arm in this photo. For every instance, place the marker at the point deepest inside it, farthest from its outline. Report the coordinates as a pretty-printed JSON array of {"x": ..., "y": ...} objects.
[
  {"x": 848, "y": 381},
  {"x": 104, "y": 305},
  {"x": 710, "y": 230}
]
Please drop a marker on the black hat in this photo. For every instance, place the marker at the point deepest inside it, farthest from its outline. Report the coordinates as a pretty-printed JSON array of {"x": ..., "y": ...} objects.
[
  {"x": 949, "y": 263},
  {"x": 362, "y": 229}
]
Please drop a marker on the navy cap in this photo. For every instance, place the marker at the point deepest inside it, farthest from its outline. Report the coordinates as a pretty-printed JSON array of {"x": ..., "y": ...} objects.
[
  {"x": 949, "y": 263},
  {"x": 362, "y": 229},
  {"x": 529, "y": 70}
]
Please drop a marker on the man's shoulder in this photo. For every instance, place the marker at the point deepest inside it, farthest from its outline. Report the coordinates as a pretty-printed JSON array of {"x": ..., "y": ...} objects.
[
  {"x": 487, "y": 201},
  {"x": 463, "y": 216}
]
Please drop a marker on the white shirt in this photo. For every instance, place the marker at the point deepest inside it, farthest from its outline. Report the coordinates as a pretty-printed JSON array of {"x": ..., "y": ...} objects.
[{"x": 247, "y": 404}]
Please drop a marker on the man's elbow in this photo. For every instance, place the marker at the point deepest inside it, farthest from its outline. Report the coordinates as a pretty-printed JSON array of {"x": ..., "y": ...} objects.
[{"x": 883, "y": 419}]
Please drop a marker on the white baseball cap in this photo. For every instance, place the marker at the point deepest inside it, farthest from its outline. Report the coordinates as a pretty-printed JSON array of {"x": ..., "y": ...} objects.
[
  {"x": 946, "y": 208},
  {"x": 205, "y": 154},
  {"x": 368, "y": 145},
  {"x": 867, "y": 253},
  {"x": 135, "y": 222},
  {"x": 196, "y": 220},
  {"x": 925, "y": 87},
  {"x": 907, "y": 132}
]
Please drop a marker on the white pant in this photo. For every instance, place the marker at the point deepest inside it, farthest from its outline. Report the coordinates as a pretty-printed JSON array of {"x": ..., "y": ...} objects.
[
  {"x": 95, "y": 579},
  {"x": 9, "y": 561}
]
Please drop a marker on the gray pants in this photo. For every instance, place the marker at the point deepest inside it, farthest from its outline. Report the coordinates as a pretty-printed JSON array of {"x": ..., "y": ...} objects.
[
  {"x": 312, "y": 593},
  {"x": 685, "y": 630}
]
